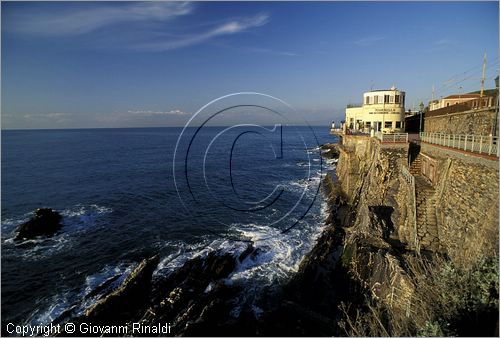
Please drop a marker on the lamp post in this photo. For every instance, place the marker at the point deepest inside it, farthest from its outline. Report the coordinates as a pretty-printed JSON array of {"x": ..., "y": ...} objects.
[
  {"x": 496, "y": 115},
  {"x": 421, "y": 106}
]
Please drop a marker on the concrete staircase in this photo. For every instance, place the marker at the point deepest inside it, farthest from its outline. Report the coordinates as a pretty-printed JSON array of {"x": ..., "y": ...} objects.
[{"x": 427, "y": 230}]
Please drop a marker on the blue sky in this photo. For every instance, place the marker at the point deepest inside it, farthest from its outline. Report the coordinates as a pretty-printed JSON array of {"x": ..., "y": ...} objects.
[{"x": 139, "y": 64}]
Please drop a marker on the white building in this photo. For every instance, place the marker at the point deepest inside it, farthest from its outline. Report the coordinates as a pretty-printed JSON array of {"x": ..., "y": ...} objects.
[{"x": 382, "y": 110}]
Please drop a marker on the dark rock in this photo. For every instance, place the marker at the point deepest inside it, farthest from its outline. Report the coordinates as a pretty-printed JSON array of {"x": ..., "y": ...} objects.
[
  {"x": 330, "y": 150},
  {"x": 293, "y": 320},
  {"x": 245, "y": 253},
  {"x": 45, "y": 222},
  {"x": 195, "y": 299},
  {"x": 129, "y": 298}
]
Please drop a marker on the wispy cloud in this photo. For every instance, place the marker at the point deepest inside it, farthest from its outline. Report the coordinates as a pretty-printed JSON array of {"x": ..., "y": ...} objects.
[
  {"x": 85, "y": 20},
  {"x": 147, "y": 26},
  {"x": 270, "y": 51},
  {"x": 445, "y": 42},
  {"x": 47, "y": 116},
  {"x": 368, "y": 41},
  {"x": 228, "y": 28},
  {"x": 156, "y": 113}
]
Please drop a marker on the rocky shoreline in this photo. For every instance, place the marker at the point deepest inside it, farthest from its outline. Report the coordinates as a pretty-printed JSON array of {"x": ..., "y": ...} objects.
[
  {"x": 362, "y": 277},
  {"x": 196, "y": 300}
]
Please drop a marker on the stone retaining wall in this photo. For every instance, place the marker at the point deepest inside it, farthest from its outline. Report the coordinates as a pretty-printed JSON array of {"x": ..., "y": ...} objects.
[
  {"x": 478, "y": 122},
  {"x": 467, "y": 208}
]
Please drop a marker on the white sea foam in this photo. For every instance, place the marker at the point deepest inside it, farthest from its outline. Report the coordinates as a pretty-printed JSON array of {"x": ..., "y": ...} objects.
[
  {"x": 276, "y": 257},
  {"x": 85, "y": 212},
  {"x": 332, "y": 161},
  {"x": 73, "y": 299},
  {"x": 75, "y": 219}
]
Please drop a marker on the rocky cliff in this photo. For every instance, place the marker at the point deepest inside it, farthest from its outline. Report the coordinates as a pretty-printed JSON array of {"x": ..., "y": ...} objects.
[{"x": 415, "y": 246}]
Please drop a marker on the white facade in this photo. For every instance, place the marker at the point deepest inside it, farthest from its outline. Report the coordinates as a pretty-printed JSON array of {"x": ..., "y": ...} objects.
[{"x": 382, "y": 110}]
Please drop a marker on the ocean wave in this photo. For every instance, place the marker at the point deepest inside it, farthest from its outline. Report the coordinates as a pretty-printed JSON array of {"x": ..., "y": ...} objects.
[
  {"x": 332, "y": 161},
  {"x": 74, "y": 302},
  {"x": 276, "y": 256},
  {"x": 313, "y": 150},
  {"x": 310, "y": 184}
]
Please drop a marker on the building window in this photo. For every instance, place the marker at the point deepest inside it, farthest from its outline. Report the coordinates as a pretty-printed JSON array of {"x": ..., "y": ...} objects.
[
  {"x": 375, "y": 99},
  {"x": 447, "y": 104},
  {"x": 367, "y": 124},
  {"x": 386, "y": 98},
  {"x": 367, "y": 101},
  {"x": 397, "y": 99},
  {"x": 391, "y": 99},
  {"x": 398, "y": 124},
  {"x": 388, "y": 124}
]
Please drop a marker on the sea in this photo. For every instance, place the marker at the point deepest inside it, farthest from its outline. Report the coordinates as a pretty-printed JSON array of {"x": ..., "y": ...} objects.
[{"x": 127, "y": 194}]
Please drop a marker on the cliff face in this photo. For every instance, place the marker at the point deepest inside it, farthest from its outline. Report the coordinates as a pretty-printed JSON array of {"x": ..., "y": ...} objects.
[
  {"x": 379, "y": 225},
  {"x": 409, "y": 241},
  {"x": 370, "y": 176}
]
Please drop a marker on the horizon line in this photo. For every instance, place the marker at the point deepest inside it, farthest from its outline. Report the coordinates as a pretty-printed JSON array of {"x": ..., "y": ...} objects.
[{"x": 85, "y": 128}]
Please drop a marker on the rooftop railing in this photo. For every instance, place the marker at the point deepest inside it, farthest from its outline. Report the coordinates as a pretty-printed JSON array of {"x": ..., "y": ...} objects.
[{"x": 480, "y": 144}]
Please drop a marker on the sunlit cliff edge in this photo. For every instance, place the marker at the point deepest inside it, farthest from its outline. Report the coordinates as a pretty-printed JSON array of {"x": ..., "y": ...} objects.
[{"x": 420, "y": 256}]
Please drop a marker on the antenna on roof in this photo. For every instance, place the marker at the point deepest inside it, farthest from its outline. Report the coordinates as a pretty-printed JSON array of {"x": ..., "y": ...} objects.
[{"x": 393, "y": 87}]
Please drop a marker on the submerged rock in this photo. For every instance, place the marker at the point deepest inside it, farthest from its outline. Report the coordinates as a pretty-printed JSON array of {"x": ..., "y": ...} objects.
[{"x": 45, "y": 222}]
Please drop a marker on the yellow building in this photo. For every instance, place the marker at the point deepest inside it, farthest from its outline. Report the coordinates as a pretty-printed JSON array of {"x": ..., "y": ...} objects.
[{"x": 382, "y": 110}]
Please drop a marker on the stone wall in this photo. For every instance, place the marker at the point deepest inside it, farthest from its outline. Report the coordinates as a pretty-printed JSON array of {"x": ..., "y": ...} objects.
[
  {"x": 466, "y": 205},
  {"x": 478, "y": 122}
]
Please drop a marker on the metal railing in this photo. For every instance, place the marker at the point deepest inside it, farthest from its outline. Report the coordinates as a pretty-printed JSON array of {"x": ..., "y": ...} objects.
[
  {"x": 410, "y": 179},
  {"x": 396, "y": 137},
  {"x": 474, "y": 143}
]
